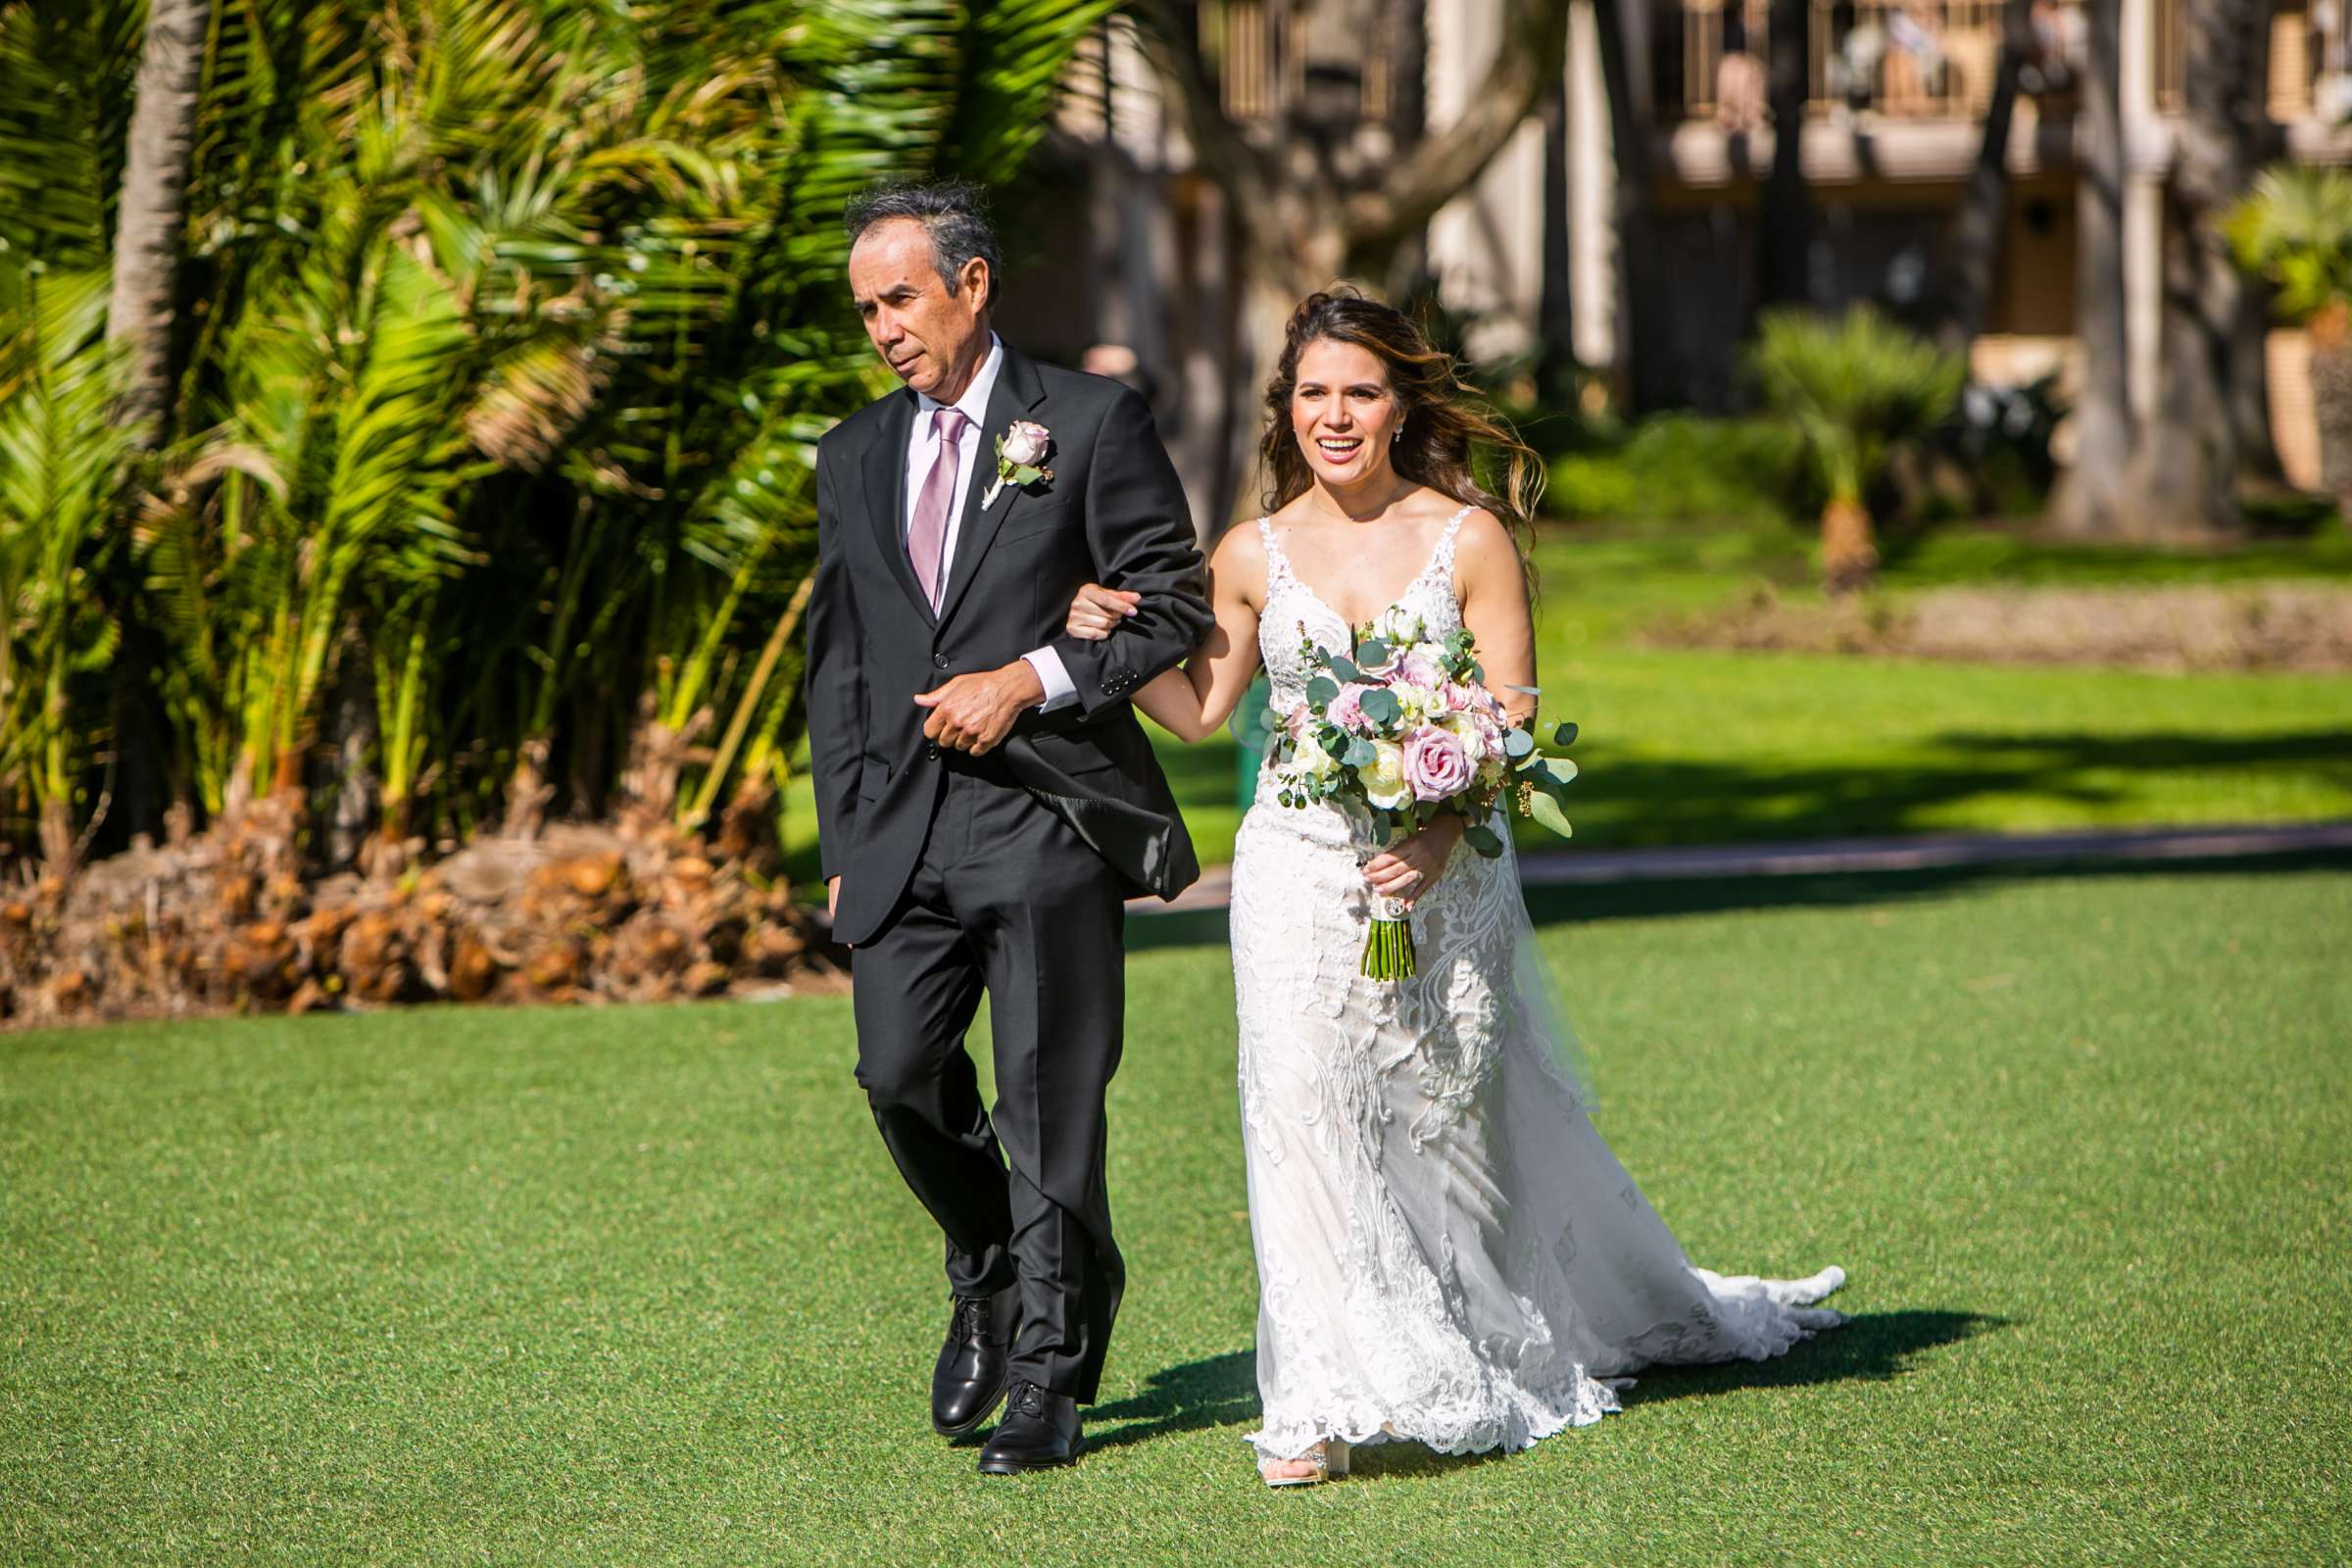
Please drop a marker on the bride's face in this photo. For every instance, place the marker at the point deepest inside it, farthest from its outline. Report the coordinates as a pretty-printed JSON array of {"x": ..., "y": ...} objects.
[{"x": 1343, "y": 412}]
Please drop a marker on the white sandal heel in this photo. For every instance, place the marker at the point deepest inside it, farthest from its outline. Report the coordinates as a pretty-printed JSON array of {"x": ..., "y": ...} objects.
[{"x": 1329, "y": 1459}]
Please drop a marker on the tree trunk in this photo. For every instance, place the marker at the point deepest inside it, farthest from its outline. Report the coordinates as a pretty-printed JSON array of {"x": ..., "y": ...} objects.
[
  {"x": 1622, "y": 27},
  {"x": 2183, "y": 479},
  {"x": 354, "y": 739},
  {"x": 1983, "y": 219},
  {"x": 153, "y": 212},
  {"x": 2265, "y": 142},
  {"x": 1555, "y": 313},
  {"x": 2088, "y": 499},
  {"x": 2332, "y": 399},
  {"x": 1848, "y": 553},
  {"x": 2250, "y": 382},
  {"x": 1785, "y": 243}
]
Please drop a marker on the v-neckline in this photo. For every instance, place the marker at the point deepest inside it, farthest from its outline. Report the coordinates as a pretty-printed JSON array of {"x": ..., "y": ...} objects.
[{"x": 1326, "y": 606}]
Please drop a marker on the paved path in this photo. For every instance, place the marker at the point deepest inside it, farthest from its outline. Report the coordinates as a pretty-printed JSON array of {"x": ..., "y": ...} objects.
[{"x": 1565, "y": 866}]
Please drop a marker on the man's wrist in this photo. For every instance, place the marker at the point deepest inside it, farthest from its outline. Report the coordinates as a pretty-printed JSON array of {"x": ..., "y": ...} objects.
[{"x": 1028, "y": 684}]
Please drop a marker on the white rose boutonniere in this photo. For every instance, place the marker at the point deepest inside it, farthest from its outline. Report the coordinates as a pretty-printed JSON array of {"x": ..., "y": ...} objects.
[{"x": 1020, "y": 457}]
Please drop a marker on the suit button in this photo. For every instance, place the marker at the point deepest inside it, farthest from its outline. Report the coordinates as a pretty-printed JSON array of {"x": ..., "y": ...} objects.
[
  {"x": 932, "y": 751},
  {"x": 939, "y": 661}
]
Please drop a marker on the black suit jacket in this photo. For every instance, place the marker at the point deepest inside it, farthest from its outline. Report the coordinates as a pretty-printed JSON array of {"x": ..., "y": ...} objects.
[{"x": 1113, "y": 513}]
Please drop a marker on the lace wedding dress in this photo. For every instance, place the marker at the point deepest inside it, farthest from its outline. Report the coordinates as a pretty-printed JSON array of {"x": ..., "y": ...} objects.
[{"x": 1446, "y": 1251}]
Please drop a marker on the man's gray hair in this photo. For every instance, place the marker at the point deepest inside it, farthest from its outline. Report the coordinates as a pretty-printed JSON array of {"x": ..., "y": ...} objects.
[{"x": 952, "y": 212}]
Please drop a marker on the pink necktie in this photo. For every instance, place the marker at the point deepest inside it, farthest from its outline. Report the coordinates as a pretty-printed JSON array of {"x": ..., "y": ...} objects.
[{"x": 928, "y": 537}]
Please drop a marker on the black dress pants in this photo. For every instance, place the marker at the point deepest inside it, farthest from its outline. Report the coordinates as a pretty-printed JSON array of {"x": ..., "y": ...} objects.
[{"x": 1007, "y": 899}]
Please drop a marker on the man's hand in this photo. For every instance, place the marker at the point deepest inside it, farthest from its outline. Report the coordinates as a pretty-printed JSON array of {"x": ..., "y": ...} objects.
[
  {"x": 832, "y": 896},
  {"x": 975, "y": 712}
]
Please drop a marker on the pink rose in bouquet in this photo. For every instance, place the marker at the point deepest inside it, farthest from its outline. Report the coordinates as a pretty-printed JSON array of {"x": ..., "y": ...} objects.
[
  {"x": 1435, "y": 765},
  {"x": 1419, "y": 667},
  {"x": 1347, "y": 710}
]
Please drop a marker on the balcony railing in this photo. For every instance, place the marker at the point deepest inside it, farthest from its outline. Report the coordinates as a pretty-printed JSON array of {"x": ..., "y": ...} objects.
[
  {"x": 1938, "y": 59},
  {"x": 1269, "y": 61}
]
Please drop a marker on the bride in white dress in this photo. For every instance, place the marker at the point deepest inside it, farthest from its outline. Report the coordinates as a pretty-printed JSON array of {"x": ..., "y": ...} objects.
[{"x": 1446, "y": 1251}]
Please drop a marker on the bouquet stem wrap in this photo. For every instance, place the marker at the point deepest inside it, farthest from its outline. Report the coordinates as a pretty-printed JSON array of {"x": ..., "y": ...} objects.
[{"x": 1389, "y": 946}]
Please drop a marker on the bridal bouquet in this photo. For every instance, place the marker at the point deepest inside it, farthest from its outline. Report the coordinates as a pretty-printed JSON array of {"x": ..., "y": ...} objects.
[{"x": 1404, "y": 729}]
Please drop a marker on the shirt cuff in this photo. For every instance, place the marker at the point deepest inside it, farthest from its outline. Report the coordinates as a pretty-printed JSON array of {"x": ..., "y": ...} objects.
[{"x": 1061, "y": 690}]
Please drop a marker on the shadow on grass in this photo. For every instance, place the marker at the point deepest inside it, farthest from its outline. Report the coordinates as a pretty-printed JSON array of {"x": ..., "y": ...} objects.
[
  {"x": 1642, "y": 802},
  {"x": 1634, "y": 900},
  {"x": 1637, "y": 901},
  {"x": 1633, "y": 803},
  {"x": 1218, "y": 1391},
  {"x": 1872, "y": 1347},
  {"x": 1221, "y": 1391}
]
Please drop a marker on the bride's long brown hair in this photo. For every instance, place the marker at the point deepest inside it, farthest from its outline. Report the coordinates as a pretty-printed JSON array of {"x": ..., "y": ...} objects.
[{"x": 1449, "y": 431}]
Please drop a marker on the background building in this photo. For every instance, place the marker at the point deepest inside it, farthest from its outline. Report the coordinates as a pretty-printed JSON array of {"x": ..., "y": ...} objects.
[{"x": 1139, "y": 247}]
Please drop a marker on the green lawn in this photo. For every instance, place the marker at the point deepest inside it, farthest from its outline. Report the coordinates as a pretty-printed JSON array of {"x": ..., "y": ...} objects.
[
  {"x": 639, "y": 1285},
  {"x": 1688, "y": 747}
]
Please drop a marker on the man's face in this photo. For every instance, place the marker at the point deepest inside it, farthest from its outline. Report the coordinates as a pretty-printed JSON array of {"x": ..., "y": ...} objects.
[{"x": 932, "y": 339}]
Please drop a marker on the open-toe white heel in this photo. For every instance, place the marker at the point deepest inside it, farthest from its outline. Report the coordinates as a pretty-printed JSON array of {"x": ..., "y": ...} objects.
[{"x": 1329, "y": 1459}]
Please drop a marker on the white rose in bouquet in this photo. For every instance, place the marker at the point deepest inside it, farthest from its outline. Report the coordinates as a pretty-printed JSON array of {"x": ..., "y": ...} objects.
[
  {"x": 1384, "y": 780},
  {"x": 1316, "y": 762}
]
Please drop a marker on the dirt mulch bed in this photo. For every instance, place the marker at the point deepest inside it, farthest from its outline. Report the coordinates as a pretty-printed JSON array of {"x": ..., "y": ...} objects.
[
  {"x": 222, "y": 923},
  {"x": 2259, "y": 626}
]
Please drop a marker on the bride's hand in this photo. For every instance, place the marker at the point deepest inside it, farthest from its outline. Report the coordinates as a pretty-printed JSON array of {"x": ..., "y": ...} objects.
[
  {"x": 1098, "y": 609},
  {"x": 1414, "y": 867}
]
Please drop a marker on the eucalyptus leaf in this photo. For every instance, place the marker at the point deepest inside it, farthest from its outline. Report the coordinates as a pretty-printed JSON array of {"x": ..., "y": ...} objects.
[
  {"x": 1372, "y": 652},
  {"x": 1336, "y": 741},
  {"x": 1483, "y": 839},
  {"x": 1359, "y": 752},
  {"x": 1517, "y": 743},
  {"x": 1565, "y": 735},
  {"x": 1379, "y": 705},
  {"x": 1344, "y": 671},
  {"x": 1321, "y": 689},
  {"x": 1546, "y": 812}
]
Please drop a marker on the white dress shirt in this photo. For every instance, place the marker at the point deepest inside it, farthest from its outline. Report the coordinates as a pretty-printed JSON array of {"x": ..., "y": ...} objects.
[{"x": 922, "y": 445}]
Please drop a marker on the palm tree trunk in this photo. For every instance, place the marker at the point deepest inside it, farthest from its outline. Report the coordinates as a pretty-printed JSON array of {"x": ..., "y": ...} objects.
[
  {"x": 1787, "y": 241},
  {"x": 154, "y": 207},
  {"x": 1849, "y": 553},
  {"x": 2088, "y": 499},
  {"x": 1984, "y": 218},
  {"x": 2183, "y": 479}
]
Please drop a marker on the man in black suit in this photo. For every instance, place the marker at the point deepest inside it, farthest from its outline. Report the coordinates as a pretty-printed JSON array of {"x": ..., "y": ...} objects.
[{"x": 985, "y": 797}]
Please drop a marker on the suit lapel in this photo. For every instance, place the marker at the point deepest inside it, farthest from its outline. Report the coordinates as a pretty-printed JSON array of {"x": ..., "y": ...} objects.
[
  {"x": 1017, "y": 391},
  {"x": 885, "y": 465}
]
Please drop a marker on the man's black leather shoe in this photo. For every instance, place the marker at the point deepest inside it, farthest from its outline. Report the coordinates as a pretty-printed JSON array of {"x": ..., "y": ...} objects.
[
  {"x": 968, "y": 1378},
  {"x": 1039, "y": 1432}
]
